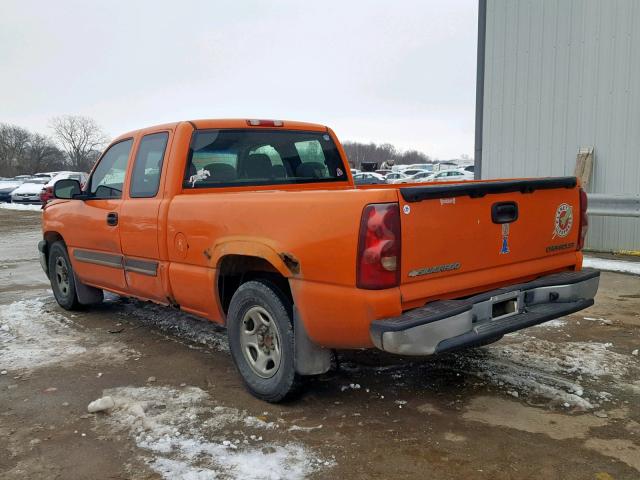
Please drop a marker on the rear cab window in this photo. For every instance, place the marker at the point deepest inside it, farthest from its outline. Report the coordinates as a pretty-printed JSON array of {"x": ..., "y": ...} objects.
[
  {"x": 246, "y": 157},
  {"x": 147, "y": 167}
]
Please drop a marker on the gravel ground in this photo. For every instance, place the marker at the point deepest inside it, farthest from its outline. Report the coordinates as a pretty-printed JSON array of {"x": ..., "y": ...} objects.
[{"x": 558, "y": 401}]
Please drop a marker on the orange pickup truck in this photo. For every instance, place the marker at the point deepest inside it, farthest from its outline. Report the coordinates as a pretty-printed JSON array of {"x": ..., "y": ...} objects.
[{"x": 257, "y": 225}]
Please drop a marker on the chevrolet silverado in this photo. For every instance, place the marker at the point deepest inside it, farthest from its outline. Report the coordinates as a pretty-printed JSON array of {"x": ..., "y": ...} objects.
[{"x": 257, "y": 225}]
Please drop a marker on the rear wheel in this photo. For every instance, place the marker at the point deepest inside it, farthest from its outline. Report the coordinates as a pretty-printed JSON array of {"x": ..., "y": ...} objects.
[
  {"x": 261, "y": 340},
  {"x": 62, "y": 278}
]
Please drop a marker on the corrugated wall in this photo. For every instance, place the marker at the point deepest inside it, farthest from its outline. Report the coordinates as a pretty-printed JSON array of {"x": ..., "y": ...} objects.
[{"x": 559, "y": 75}]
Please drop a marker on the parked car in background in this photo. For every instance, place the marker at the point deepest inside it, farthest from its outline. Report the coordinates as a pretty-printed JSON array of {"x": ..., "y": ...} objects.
[
  {"x": 396, "y": 177},
  {"x": 422, "y": 176},
  {"x": 7, "y": 187},
  {"x": 46, "y": 193},
  {"x": 368, "y": 178},
  {"x": 384, "y": 172},
  {"x": 469, "y": 168},
  {"x": 47, "y": 174},
  {"x": 29, "y": 191},
  {"x": 417, "y": 166},
  {"x": 354, "y": 171},
  {"x": 413, "y": 171},
  {"x": 451, "y": 176}
]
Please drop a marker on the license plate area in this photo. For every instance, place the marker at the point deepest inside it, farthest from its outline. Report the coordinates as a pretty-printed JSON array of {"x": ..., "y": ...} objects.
[{"x": 505, "y": 305}]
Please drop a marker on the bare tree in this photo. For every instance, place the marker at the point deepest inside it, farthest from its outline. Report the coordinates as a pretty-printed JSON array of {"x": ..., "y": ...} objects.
[
  {"x": 43, "y": 155},
  {"x": 370, "y": 152},
  {"x": 14, "y": 144},
  {"x": 80, "y": 137}
]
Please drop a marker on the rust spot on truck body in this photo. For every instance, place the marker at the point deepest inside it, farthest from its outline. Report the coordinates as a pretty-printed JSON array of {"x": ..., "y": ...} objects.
[
  {"x": 207, "y": 254},
  {"x": 291, "y": 262}
]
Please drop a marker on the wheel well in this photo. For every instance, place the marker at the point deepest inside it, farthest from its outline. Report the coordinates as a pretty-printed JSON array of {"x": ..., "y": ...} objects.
[
  {"x": 51, "y": 238},
  {"x": 234, "y": 270}
]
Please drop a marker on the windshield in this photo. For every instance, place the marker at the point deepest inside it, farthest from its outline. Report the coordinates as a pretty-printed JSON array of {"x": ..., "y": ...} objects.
[{"x": 261, "y": 157}]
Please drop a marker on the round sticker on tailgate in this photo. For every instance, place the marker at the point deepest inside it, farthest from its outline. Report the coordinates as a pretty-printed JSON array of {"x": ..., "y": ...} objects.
[{"x": 564, "y": 220}]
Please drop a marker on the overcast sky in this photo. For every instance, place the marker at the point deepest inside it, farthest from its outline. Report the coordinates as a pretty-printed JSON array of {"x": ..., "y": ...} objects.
[{"x": 401, "y": 72}]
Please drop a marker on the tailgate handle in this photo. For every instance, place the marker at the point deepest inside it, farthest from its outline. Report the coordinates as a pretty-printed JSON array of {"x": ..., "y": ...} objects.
[{"x": 504, "y": 212}]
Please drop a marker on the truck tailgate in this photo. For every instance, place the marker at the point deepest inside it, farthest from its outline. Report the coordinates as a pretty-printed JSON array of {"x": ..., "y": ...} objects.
[{"x": 465, "y": 238}]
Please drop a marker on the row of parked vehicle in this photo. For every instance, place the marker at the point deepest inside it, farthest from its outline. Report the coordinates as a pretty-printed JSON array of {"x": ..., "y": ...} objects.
[
  {"x": 419, "y": 173},
  {"x": 34, "y": 189}
]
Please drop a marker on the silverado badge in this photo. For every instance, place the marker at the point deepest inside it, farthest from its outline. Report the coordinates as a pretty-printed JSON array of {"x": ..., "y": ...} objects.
[{"x": 447, "y": 267}]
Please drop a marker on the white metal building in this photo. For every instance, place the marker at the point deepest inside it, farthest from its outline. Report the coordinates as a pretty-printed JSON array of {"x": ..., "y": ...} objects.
[{"x": 555, "y": 76}]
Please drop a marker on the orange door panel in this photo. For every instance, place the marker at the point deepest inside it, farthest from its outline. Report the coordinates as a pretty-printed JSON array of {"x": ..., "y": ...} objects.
[
  {"x": 139, "y": 229},
  {"x": 95, "y": 243},
  {"x": 139, "y": 236}
]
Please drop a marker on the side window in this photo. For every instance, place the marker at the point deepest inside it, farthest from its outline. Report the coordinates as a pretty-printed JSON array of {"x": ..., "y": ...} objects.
[
  {"x": 108, "y": 176},
  {"x": 147, "y": 167}
]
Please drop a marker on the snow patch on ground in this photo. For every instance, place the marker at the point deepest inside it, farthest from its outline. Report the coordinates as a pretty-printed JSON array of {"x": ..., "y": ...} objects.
[
  {"x": 32, "y": 337},
  {"x": 186, "y": 437},
  {"x": 557, "y": 323},
  {"x": 19, "y": 206},
  {"x": 559, "y": 372},
  {"x": 584, "y": 358},
  {"x": 624, "y": 266},
  {"x": 175, "y": 323}
]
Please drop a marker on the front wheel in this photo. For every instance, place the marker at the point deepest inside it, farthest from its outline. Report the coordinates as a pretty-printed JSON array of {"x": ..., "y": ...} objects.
[
  {"x": 61, "y": 276},
  {"x": 261, "y": 340}
]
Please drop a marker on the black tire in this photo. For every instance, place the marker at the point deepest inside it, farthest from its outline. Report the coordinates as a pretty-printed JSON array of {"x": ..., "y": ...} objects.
[
  {"x": 257, "y": 297},
  {"x": 62, "y": 278}
]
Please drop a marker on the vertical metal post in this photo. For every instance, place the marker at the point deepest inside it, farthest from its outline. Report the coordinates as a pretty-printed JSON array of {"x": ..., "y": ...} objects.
[{"x": 482, "y": 31}]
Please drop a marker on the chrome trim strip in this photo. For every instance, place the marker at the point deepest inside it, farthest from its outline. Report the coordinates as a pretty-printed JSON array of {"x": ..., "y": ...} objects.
[
  {"x": 99, "y": 258},
  {"x": 143, "y": 267}
]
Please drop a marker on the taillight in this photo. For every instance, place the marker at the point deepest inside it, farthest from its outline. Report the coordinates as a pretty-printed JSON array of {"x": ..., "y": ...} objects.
[
  {"x": 584, "y": 219},
  {"x": 46, "y": 194},
  {"x": 378, "y": 261}
]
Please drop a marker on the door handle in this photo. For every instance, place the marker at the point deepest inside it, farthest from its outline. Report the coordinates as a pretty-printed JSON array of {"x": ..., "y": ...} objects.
[
  {"x": 112, "y": 219},
  {"x": 504, "y": 212}
]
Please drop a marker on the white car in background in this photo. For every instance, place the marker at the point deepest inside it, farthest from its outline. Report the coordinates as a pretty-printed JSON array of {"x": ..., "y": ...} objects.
[
  {"x": 47, "y": 191},
  {"x": 396, "y": 177},
  {"x": 451, "y": 176},
  {"x": 419, "y": 177},
  {"x": 368, "y": 178},
  {"x": 29, "y": 191}
]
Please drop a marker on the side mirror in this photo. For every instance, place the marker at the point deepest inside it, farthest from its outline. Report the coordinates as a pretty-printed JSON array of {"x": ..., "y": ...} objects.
[{"x": 67, "y": 188}]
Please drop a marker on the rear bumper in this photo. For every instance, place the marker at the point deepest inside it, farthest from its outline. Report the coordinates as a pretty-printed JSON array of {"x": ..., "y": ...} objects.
[{"x": 451, "y": 324}]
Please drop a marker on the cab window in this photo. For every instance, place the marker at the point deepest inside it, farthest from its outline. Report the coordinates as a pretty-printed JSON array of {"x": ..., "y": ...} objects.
[
  {"x": 108, "y": 177},
  {"x": 244, "y": 157},
  {"x": 145, "y": 178}
]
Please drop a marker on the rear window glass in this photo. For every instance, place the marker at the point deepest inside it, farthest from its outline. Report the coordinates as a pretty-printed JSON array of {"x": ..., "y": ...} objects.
[{"x": 261, "y": 157}]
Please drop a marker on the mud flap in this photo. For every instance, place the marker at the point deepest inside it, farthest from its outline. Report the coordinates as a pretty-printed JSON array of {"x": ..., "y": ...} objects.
[
  {"x": 87, "y": 295},
  {"x": 310, "y": 358}
]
